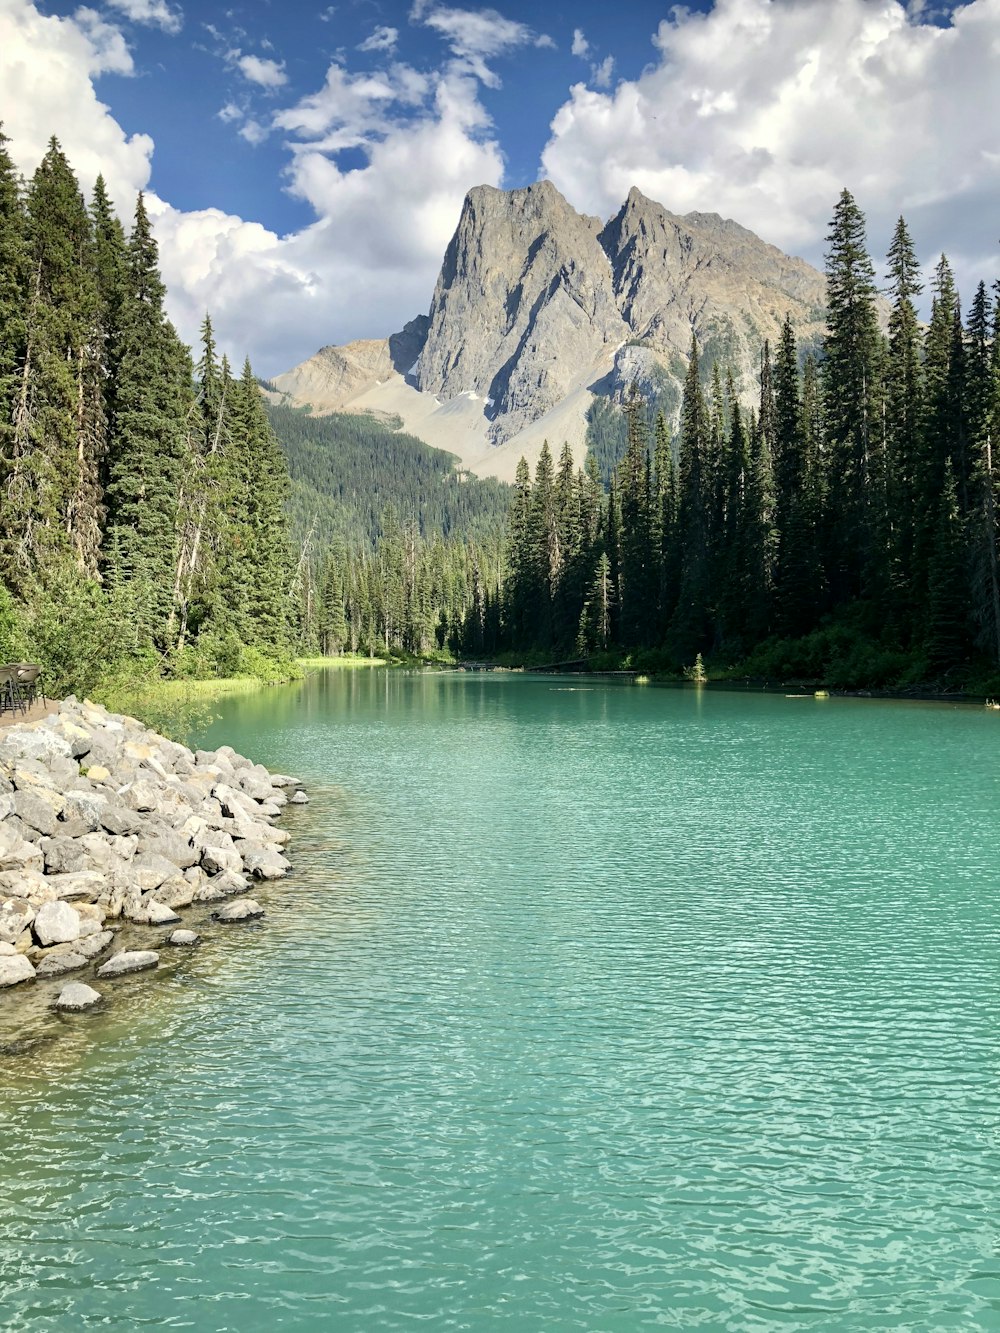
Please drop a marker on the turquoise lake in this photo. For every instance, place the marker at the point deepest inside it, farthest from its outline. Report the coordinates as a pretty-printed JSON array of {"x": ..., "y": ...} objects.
[{"x": 587, "y": 1006}]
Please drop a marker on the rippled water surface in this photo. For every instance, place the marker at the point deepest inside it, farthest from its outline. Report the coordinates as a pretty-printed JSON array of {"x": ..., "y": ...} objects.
[{"x": 586, "y": 1007}]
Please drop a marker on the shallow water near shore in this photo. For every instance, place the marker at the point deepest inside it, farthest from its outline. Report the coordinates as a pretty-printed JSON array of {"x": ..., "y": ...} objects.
[{"x": 586, "y": 1006}]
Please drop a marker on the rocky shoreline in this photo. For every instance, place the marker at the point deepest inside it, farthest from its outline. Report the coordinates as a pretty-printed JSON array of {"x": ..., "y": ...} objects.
[{"x": 107, "y": 826}]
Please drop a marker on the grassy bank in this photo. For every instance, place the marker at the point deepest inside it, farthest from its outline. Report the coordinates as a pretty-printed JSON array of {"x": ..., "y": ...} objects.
[{"x": 342, "y": 663}]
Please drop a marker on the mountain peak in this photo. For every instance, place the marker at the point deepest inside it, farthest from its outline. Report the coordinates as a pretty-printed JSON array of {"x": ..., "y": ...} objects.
[{"x": 537, "y": 308}]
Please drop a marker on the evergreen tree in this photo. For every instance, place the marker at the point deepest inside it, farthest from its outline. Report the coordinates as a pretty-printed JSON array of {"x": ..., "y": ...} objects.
[
  {"x": 14, "y": 272},
  {"x": 633, "y": 492},
  {"x": 151, "y": 447},
  {"x": 689, "y": 631},
  {"x": 519, "y": 587},
  {"x": 852, "y": 394},
  {"x": 904, "y": 416},
  {"x": 50, "y": 507}
]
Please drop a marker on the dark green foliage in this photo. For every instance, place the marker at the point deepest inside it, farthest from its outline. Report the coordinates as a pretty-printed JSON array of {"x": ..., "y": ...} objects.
[
  {"x": 142, "y": 515},
  {"x": 346, "y": 470},
  {"x": 845, "y": 531}
]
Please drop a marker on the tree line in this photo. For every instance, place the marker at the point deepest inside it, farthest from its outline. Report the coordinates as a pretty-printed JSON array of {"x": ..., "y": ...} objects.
[
  {"x": 142, "y": 497},
  {"x": 845, "y": 525}
]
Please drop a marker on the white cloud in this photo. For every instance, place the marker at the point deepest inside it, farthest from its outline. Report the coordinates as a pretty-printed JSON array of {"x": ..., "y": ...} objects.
[
  {"x": 763, "y": 110},
  {"x": 259, "y": 70},
  {"x": 474, "y": 36},
  {"x": 253, "y": 131},
  {"x": 602, "y": 72},
  {"x": 580, "y": 47},
  {"x": 155, "y": 13},
  {"x": 109, "y": 53},
  {"x": 47, "y": 68},
  {"x": 361, "y": 269},
  {"x": 382, "y": 39}
]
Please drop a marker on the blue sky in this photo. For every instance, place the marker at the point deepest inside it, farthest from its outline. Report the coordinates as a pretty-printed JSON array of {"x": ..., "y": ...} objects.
[{"x": 305, "y": 164}]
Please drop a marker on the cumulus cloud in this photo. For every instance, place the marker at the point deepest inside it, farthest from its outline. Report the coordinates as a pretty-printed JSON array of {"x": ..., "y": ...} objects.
[
  {"x": 155, "y": 13},
  {"x": 258, "y": 69},
  {"x": 580, "y": 47},
  {"x": 764, "y": 110},
  {"x": 382, "y": 39},
  {"x": 365, "y": 265},
  {"x": 602, "y": 71},
  {"x": 47, "y": 69}
]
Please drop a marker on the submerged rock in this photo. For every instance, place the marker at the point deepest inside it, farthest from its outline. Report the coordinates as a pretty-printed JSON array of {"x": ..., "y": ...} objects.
[
  {"x": 241, "y": 909},
  {"x": 57, "y": 962},
  {"x": 184, "y": 938},
  {"x": 129, "y": 960},
  {"x": 77, "y": 996}
]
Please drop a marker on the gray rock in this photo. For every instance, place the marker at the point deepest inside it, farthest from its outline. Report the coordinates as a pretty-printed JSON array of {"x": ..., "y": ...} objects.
[
  {"x": 184, "y": 938},
  {"x": 88, "y": 806},
  {"x": 16, "y": 915},
  {"x": 129, "y": 960},
  {"x": 14, "y": 970},
  {"x": 57, "y": 962},
  {"x": 91, "y": 945},
  {"x": 216, "y": 859},
  {"x": 141, "y": 796},
  {"x": 159, "y": 914},
  {"x": 298, "y": 798},
  {"x": 118, "y": 819},
  {"x": 37, "y": 813},
  {"x": 77, "y": 996},
  {"x": 30, "y": 884},
  {"x": 221, "y": 886},
  {"x": 264, "y": 863},
  {"x": 85, "y": 884},
  {"x": 178, "y": 891},
  {"x": 56, "y": 923},
  {"x": 148, "y": 871},
  {"x": 257, "y": 787},
  {"x": 26, "y": 742},
  {"x": 283, "y": 780},
  {"x": 64, "y": 856},
  {"x": 241, "y": 909},
  {"x": 172, "y": 848},
  {"x": 234, "y": 803}
]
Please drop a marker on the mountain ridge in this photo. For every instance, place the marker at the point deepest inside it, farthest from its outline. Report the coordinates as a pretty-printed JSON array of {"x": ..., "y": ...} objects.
[{"x": 538, "y": 309}]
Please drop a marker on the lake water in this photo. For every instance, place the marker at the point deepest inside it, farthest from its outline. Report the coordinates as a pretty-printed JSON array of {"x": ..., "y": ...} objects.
[{"x": 586, "y": 1007}]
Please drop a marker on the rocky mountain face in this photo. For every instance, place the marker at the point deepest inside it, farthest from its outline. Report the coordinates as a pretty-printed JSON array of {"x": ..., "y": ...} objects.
[{"x": 539, "y": 308}]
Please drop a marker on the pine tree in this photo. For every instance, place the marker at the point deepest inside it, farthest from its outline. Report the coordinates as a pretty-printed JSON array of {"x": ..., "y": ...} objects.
[
  {"x": 947, "y": 633},
  {"x": 852, "y": 395},
  {"x": 689, "y": 631},
  {"x": 904, "y": 416},
  {"x": 50, "y": 508},
  {"x": 151, "y": 448},
  {"x": 519, "y": 586},
  {"x": 14, "y": 271},
  {"x": 633, "y": 493}
]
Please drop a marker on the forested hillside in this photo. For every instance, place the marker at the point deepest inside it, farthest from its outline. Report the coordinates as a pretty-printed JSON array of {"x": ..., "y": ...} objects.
[
  {"x": 843, "y": 530},
  {"x": 148, "y": 523},
  {"x": 348, "y": 469}
]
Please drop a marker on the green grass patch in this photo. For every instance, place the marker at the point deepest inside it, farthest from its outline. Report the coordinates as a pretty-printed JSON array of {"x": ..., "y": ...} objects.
[{"x": 346, "y": 662}]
